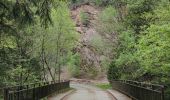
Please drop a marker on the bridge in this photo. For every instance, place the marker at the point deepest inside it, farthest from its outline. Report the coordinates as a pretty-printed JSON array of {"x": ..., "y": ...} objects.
[{"x": 135, "y": 90}]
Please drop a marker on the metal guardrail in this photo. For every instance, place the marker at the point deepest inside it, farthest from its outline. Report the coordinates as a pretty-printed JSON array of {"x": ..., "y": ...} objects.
[
  {"x": 35, "y": 91},
  {"x": 139, "y": 90}
]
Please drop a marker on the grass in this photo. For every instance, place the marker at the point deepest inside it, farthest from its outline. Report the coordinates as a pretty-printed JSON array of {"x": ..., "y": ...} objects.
[{"x": 104, "y": 86}]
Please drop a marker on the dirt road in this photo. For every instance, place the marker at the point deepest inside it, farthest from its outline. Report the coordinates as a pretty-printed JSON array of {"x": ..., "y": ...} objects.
[{"x": 88, "y": 92}]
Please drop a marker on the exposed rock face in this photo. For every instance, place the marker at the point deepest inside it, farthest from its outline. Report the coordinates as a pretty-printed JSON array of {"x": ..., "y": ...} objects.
[{"x": 89, "y": 58}]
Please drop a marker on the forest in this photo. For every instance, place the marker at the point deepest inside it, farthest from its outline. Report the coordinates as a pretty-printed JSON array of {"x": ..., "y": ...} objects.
[{"x": 41, "y": 39}]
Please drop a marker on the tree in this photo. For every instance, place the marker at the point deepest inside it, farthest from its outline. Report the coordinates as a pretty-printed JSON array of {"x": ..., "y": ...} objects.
[
  {"x": 136, "y": 12},
  {"x": 15, "y": 42},
  {"x": 56, "y": 42},
  {"x": 143, "y": 51}
]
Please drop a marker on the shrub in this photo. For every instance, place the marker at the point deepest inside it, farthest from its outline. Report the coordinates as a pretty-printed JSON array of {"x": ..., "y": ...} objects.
[
  {"x": 84, "y": 17},
  {"x": 113, "y": 72},
  {"x": 74, "y": 65}
]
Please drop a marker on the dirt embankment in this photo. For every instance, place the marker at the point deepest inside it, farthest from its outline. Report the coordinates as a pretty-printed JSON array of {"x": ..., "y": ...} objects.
[{"x": 90, "y": 59}]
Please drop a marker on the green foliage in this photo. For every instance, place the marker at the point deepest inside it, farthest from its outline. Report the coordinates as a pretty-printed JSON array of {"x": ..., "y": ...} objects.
[
  {"x": 14, "y": 53},
  {"x": 127, "y": 41},
  {"x": 126, "y": 60},
  {"x": 17, "y": 38},
  {"x": 74, "y": 65},
  {"x": 21, "y": 49},
  {"x": 108, "y": 14},
  {"x": 107, "y": 22},
  {"x": 84, "y": 17},
  {"x": 73, "y": 1},
  {"x": 102, "y": 2},
  {"x": 141, "y": 29},
  {"x": 14, "y": 76},
  {"x": 104, "y": 86},
  {"x": 153, "y": 53},
  {"x": 143, "y": 53},
  {"x": 59, "y": 39},
  {"x": 153, "y": 49},
  {"x": 98, "y": 2},
  {"x": 105, "y": 43},
  {"x": 78, "y": 1},
  {"x": 137, "y": 9},
  {"x": 19, "y": 13},
  {"x": 98, "y": 43},
  {"x": 113, "y": 72},
  {"x": 105, "y": 62}
]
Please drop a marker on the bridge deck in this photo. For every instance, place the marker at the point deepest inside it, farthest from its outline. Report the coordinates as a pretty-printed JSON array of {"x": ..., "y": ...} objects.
[{"x": 88, "y": 92}]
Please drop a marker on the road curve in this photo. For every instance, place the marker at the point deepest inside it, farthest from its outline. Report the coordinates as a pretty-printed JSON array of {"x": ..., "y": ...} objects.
[{"x": 88, "y": 92}]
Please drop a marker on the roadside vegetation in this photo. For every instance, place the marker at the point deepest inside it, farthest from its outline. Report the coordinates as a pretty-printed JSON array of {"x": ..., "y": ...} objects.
[
  {"x": 138, "y": 32},
  {"x": 142, "y": 28},
  {"x": 35, "y": 41},
  {"x": 104, "y": 86},
  {"x": 38, "y": 38}
]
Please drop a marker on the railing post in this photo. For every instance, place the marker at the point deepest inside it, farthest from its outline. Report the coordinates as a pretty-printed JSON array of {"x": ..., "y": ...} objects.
[
  {"x": 27, "y": 87},
  {"x": 6, "y": 93},
  {"x": 33, "y": 92},
  {"x": 162, "y": 91},
  {"x": 18, "y": 93}
]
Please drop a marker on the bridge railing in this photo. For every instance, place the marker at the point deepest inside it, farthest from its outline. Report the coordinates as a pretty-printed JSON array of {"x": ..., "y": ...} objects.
[
  {"x": 1, "y": 93},
  {"x": 35, "y": 91},
  {"x": 139, "y": 90}
]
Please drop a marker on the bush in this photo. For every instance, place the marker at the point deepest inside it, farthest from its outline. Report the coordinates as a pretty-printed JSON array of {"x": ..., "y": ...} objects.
[
  {"x": 107, "y": 21},
  {"x": 113, "y": 72},
  {"x": 98, "y": 2},
  {"x": 74, "y": 65},
  {"x": 84, "y": 17}
]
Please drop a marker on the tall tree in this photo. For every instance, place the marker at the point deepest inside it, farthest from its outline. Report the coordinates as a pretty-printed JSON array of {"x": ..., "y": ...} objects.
[{"x": 54, "y": 43}]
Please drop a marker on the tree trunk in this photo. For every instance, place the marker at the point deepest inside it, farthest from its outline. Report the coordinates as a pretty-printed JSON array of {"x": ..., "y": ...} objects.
[
  {"x": 49, "y": 69},
  {"x": 42, "y": 58}
]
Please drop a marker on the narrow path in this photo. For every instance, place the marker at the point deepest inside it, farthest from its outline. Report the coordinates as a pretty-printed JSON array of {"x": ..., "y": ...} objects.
[
  {"x": 84, "y": 90},
  {"x": 88, "y": 92}
]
